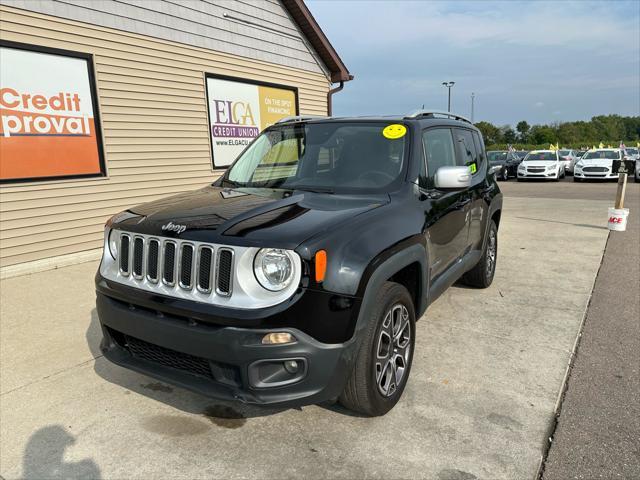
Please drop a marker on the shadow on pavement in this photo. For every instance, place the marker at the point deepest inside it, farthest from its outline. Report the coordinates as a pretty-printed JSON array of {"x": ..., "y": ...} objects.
[
  {"x": 228, "y": 415},
  {"x": 565, "y": 223},
  {"x": 44, "y": 457}
]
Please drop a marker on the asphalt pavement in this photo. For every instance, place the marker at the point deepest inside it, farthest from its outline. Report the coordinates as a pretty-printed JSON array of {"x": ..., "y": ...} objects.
[
  {"x": 598, "y": 428},
  {"x": 488, "y": 372}
]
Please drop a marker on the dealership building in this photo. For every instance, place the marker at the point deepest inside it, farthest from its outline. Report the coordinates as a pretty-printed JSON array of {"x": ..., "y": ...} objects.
[{"x": 106, "y": 104}]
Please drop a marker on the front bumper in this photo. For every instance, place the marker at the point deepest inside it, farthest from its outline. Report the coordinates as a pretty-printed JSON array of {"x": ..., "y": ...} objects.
[
  {"x": 223, "y": 362},
  {"x": 550, "y": 175},
  {"x": 604, "y": 175}
]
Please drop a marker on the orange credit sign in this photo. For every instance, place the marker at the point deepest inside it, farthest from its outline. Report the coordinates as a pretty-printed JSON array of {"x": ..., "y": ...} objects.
[{"x": 48, "y": 124}]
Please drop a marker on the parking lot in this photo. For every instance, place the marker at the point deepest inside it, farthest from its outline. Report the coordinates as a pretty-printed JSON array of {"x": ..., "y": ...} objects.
[{"x": 487, "y": 373}]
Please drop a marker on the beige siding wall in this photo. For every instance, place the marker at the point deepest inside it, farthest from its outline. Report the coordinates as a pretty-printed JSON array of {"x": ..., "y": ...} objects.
[{"x": 154, "y": 121}]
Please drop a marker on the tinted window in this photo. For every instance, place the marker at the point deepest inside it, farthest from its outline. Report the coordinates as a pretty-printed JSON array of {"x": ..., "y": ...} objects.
[
  {"x": 602, "y": 154},
  {"x": 544, "y": 156},
  {"x": 479, "y": 148},
  {"x": 337, "y": 156},
  {"x": 438, "y": 148},
  {"x": 497, "y": 156},
  {"x": 467, "y": 154}
]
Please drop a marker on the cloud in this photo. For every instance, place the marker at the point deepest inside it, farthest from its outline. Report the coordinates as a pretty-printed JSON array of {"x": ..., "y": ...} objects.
[
  {"x": 582, "y": 57},
  {"x": 538, "y": 104}
]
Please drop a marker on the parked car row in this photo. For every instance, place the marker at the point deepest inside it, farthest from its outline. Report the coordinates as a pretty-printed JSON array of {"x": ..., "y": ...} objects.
[{"x": 556, "y": 164}]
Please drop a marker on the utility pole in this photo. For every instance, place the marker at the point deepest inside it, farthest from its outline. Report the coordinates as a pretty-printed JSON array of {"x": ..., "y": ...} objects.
[
  {"x": 473, "y": 97},
  {"x": 449, "y": 85}
]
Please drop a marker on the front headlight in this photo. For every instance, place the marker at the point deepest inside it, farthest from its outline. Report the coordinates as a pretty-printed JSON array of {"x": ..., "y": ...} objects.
[
  {"x": 522, "y": 168},
  {"x": 552, "y": 167},
  {"x": 274, "y": 268},
  {"x": 113, "y": 243},
  {"x": 579, "y": 164}
]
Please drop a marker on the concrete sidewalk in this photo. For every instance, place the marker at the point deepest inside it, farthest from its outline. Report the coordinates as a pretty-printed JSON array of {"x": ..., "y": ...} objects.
[
  {"x": 488, "y": 368},
  {"x": 598, "y": 432}
]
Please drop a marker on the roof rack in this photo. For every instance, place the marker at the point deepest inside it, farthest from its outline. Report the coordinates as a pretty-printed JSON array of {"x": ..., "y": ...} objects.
[
  {"x": 432, "y": 113},
  {"x": 300, "y": 118}
]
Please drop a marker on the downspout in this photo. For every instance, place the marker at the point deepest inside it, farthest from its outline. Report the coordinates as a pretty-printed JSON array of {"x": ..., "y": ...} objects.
[{"x": 330, "y": 95}]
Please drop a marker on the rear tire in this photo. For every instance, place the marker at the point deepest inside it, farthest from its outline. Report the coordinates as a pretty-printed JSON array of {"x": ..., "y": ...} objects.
[
  {"x": 383, "y": 362},
  {"x": 481, "y": 276}
]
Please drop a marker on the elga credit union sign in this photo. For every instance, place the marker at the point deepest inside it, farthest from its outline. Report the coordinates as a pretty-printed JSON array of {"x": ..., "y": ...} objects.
[
  {"x": 239, "y": 110},
  {"x": 48, "y": 127}
]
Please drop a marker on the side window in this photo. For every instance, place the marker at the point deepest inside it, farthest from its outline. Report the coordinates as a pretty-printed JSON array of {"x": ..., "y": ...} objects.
[
  {"x": 480, "y": 149},
  {"x": 467, "y": 154},
  {"x": 439, "y": 152}
]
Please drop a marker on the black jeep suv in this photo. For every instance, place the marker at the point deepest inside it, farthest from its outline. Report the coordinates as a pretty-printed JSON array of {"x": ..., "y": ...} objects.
[{"x": 298, "y": 276}]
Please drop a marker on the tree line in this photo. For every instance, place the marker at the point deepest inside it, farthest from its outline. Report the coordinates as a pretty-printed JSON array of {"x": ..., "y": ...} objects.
[{"x": 609, "y": 129}]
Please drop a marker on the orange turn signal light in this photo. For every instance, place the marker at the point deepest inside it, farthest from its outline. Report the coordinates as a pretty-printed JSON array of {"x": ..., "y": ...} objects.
[{"x": 321, "y": 265}]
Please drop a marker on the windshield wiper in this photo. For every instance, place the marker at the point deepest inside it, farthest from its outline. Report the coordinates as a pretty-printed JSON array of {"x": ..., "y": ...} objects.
[{"x": 309, "y": 188}]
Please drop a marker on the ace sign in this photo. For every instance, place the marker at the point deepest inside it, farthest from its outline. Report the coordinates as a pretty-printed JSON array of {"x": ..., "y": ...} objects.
[
  {"x": 239, "y": 110},
  {"x": 48, "y": 115}
]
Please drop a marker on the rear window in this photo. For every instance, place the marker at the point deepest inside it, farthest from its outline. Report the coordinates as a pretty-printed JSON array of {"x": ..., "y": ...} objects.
[{"x": 496, "y": 156}]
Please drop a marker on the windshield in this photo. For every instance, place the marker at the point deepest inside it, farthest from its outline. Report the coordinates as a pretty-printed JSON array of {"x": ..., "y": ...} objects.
[
  {"x": 564, "y": 153},
  {"x": 632, "y": 151},
  {"x": 323, "y": 157},
  {"x": 545, "y": 156},
  {"x": 496, "y": 156},
  {"x": 602, "y": 154}
]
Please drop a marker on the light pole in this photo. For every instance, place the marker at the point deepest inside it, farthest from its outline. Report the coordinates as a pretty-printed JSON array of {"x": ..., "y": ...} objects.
[
  {"x": 473, "y": 97},
  {"x": 449, "y": 85}
]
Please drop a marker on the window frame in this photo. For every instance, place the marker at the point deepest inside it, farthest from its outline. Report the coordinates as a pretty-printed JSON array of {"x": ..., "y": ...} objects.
[{"x": 425, "y": 183}]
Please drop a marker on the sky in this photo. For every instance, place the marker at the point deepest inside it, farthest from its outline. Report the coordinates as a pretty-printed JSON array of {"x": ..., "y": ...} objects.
[{"x": 538, "y": 61}]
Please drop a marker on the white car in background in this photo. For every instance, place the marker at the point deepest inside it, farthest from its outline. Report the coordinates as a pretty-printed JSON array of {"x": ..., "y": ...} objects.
[
  {"x": 543, "y": 164},
  {"x": 568, "y": 159},
  {"x": 597, "y": 164}
]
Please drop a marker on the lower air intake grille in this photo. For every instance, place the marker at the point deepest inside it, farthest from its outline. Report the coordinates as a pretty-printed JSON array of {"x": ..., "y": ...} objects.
[
  {"x": 225, "y": 267},
  {"x": 169, "y": 358}
]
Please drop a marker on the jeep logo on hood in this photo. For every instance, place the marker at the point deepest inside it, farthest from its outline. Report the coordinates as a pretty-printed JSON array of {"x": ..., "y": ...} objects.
[{"x": 172, "y": 227}]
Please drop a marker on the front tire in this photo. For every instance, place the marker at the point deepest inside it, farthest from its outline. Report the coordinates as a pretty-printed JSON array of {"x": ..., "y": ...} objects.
[
  {"x": 383, "y": 363},
  {"x": 481, "y": 276}
]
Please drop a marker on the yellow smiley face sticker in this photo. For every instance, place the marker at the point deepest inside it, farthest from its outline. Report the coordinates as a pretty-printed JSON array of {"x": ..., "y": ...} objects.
[{"x": 394, "y": 131}]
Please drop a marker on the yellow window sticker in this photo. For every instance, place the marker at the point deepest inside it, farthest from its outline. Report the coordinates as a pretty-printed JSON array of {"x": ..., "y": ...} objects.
[
  {"x": 473, "y": 168},
  {"x": 394, "y": 131}
]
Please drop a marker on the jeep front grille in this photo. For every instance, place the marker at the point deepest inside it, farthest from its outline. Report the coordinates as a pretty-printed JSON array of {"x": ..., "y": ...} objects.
[{"x": 180, "y": 264}]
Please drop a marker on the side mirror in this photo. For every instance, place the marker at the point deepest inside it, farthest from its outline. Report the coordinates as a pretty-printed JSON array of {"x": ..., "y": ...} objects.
[{"x": 453, "y": 178}]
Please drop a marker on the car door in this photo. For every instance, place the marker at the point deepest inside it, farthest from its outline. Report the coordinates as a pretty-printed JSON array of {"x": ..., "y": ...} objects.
[
  {"x": 481, "y": 193},
  {"x": 446, "y": 211}
]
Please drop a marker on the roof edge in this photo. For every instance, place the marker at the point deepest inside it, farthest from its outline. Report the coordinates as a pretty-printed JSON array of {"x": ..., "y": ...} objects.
[{"x": 318, "y": 40}]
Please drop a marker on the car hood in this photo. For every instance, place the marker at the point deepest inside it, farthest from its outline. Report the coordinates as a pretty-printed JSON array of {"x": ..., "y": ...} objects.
[
  {"x": 249, "y": 217},
  {"x": 597, "y": 162}
]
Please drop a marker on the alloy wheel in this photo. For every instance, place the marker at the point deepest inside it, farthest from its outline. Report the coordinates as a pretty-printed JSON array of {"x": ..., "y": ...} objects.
[
  {"x": 492, "y": 250},
  {"x": 393, "y": 350}
]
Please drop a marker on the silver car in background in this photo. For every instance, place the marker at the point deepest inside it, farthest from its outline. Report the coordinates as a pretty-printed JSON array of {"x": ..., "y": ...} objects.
[{"x": 568, "y": 159}]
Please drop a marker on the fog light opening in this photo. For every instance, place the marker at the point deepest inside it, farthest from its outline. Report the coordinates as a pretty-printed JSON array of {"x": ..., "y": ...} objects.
[
  {"x": 291, "y": 366},
  {"x": 278, "y": 338}
]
